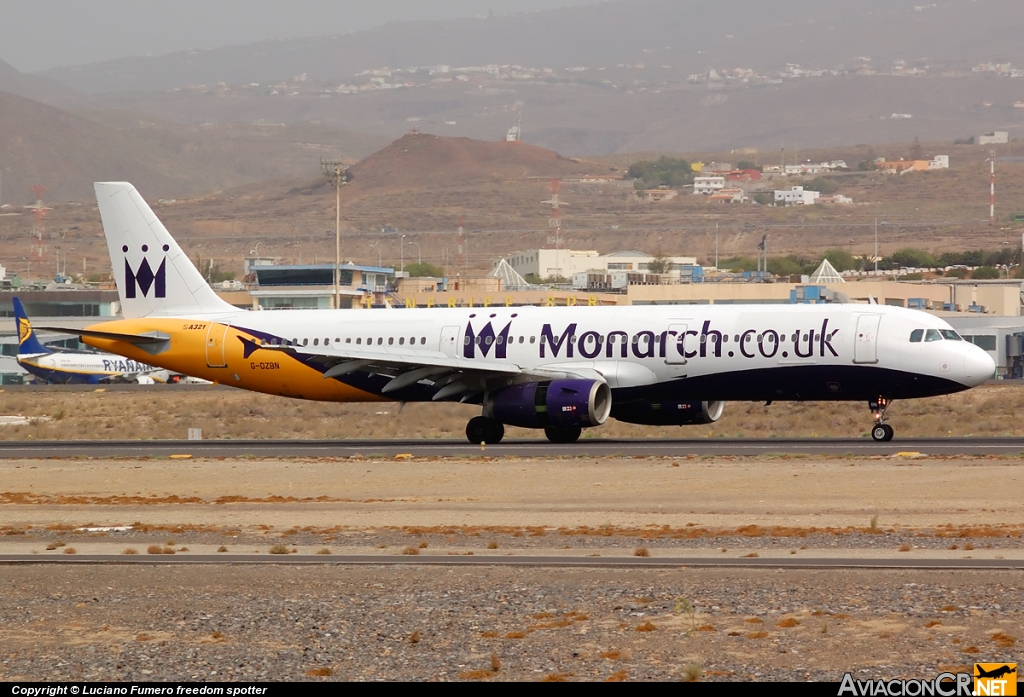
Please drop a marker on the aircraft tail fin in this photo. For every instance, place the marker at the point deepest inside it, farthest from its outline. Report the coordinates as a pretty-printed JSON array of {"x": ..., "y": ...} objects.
[
  {"x": 27, "y": 341},
  {"x": 155, "y": 278}
]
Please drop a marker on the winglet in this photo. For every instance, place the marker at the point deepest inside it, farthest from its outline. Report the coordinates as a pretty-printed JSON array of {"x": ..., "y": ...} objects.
[{"x": 27, "y": 341}]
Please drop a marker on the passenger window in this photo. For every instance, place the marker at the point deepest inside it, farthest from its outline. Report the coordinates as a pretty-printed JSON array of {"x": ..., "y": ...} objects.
[
  {"x": 423, "y": 340},
  {"x": 391, "y": 341},
  {"x": 401, "y": 341},
  {"x": 533, "y": 339},
  {"x": 348, "y": 340},
  {"x": 359, "y": 340},
  {"x": 316, "y": 342},
  {"x": 933, "y": 335},
  {"x": 305, "y": 342},
  {"x": 380, "y": 340},
  {"x": 916, "y": 336}
]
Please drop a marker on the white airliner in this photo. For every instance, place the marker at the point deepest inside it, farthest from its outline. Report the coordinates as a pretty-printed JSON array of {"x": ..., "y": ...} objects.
[
  {"x": 556, "y": 369},
  {"x": 68, "y": 367}
]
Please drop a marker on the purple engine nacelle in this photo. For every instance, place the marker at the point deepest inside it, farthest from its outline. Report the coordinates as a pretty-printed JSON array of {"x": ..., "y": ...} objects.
[
  {"x": 580, "y": 403},
  {"x": 651, "y": 413}
]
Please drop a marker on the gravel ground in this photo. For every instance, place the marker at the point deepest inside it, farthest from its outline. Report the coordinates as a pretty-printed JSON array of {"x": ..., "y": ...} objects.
[
  {"x": 240, "y": 622},
  {"x": 413, "y": 623}
]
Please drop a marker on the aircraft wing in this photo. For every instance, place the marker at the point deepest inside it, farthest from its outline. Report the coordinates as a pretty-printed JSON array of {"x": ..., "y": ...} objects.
[{"x": 457, "y": 378}]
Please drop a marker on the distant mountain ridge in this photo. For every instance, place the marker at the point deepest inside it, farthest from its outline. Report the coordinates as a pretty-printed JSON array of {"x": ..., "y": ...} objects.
[{"x": 688, "y": 35}]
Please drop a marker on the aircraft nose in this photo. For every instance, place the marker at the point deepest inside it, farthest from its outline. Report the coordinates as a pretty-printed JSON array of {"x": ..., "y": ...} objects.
[{"x": 978, "y": 366}]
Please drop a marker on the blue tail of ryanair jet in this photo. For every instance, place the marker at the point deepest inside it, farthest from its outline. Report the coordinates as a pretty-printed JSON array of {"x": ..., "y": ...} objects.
[{"x": 27, "y": 341}]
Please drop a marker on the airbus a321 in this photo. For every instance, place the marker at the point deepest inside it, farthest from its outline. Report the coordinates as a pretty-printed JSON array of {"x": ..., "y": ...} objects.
[{"x": 556, "y": 369}]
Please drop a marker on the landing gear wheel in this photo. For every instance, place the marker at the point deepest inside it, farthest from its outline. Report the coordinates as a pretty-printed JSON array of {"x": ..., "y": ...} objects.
[
  {"x": 480, "y": 429},
  {"x": 563, "y": 434},
  {"x": 882, "y": 433}
]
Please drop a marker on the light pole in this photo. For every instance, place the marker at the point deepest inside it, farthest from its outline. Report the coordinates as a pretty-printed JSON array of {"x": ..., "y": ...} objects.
[
  {"x": 402, "y": 252},
  {"x": 335, "y": 171},
  {"x": 419, "y": 254}
]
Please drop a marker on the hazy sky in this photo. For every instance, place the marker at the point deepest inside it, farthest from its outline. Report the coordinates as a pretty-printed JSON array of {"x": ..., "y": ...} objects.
[{"x": 40, "y": 34}]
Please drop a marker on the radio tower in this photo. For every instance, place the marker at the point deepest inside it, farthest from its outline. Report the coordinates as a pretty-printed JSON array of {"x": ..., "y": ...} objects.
[
  {"x": 555, "y": 224},
  {"x": 992, "y": 188},
  {"x": 38, "y": 228},
  {"x": 463, "y": 250}
]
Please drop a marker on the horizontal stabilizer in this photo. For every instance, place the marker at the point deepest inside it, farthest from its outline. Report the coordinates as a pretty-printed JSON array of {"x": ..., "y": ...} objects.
[{"x": 150, "y": 342}]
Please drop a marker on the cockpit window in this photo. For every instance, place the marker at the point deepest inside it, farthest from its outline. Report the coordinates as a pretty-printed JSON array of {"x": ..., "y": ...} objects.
[
  {"x": 916, "y": 336},
  {"x": 950, "y": 334},
  {"x": 933, "y": 335}
]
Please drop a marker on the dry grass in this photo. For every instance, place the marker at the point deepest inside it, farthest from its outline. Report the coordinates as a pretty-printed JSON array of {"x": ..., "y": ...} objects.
[
  {"x": 159, "y": 549},
  {"x": 692, "y": 673},
  {"x": 620, "y": 676},
  {"x": 222, "y": 549},
  {"x": 70, "y": 550},
  {"x": 557, "y": 677},
  {"x": 130, "y": 550},
  {"x": 54, "y": 545},
  {"x": 905, "y": 547},
  {"x": 1003, "y": 640},
  {"x": 989, "y": 410},
  {"x": 411, "y": 550},
  {"x": 647, "y": 626},
  {"x": 320, "y": 672},
  {"x": 788, "y": 622},
  {"x": 641, "y": 552},
  {"x": 757, "y": 635},
  {"x": 279, "y": 549}
]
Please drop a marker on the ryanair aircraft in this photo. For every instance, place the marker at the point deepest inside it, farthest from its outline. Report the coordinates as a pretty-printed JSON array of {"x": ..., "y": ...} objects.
[
  {"x": 556, "y": 369},
  {"x": 66, "y": 367}
]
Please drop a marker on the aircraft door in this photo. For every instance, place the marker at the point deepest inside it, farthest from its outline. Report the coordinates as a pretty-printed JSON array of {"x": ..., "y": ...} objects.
[
  {"x": 216, "y": 336},
  {"x": 675, "y": 344},
  {"x": 450, "y": 341},
  {"x": 865, "y": 345}
]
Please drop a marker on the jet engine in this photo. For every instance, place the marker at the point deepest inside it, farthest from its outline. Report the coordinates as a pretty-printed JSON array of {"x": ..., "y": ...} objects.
[
  {"x": 560, "y": 403},
  {"x": 666, "y": 413}
]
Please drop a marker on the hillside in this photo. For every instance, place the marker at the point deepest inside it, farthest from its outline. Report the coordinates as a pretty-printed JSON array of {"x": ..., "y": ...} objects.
[
  {"x": 66, "y": 152},
  {"x": 30, "y": 86},
  {"x": 685, "y": 35},
  {"x": 424, "y": 186},
  {"x": 425, "y": 161}
]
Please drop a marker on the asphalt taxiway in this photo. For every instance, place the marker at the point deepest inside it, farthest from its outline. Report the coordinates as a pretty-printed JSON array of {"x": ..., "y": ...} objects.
[
  {"x": 852, "y": 562},
  {"x": 513, "y": 448}
]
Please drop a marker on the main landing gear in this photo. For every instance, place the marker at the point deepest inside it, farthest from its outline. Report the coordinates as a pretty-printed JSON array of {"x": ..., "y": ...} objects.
[
  {"x": 482, "y": 429},
  {"x": 881, "y": 431}
]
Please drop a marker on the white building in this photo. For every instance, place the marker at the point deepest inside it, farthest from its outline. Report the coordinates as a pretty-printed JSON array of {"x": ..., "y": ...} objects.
[
  {"x": 706, "y": 186},
  {"x": 795, "y": 196},
  {"x": 994, "y": 138},
  {"x": 939, "y": 162},
  {"x": 563, "y": 263}
]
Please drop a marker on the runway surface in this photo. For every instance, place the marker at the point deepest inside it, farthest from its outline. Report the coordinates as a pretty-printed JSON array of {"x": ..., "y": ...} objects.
[
  {"x": 515, "y": 448},
  {"x": 508, "y": 560}
]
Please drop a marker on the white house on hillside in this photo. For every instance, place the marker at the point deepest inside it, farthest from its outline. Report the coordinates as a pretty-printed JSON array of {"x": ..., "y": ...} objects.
[
  {"x": 795, "y": 196},
  {"x": 708, "y": 185}
]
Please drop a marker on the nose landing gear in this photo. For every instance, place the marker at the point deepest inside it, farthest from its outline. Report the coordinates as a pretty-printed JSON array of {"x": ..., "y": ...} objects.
[{"x": 881, "y": 431}]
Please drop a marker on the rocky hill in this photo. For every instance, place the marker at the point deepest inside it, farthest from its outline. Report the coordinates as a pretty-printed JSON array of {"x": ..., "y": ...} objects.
[{"x": 425, "y": 161}]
